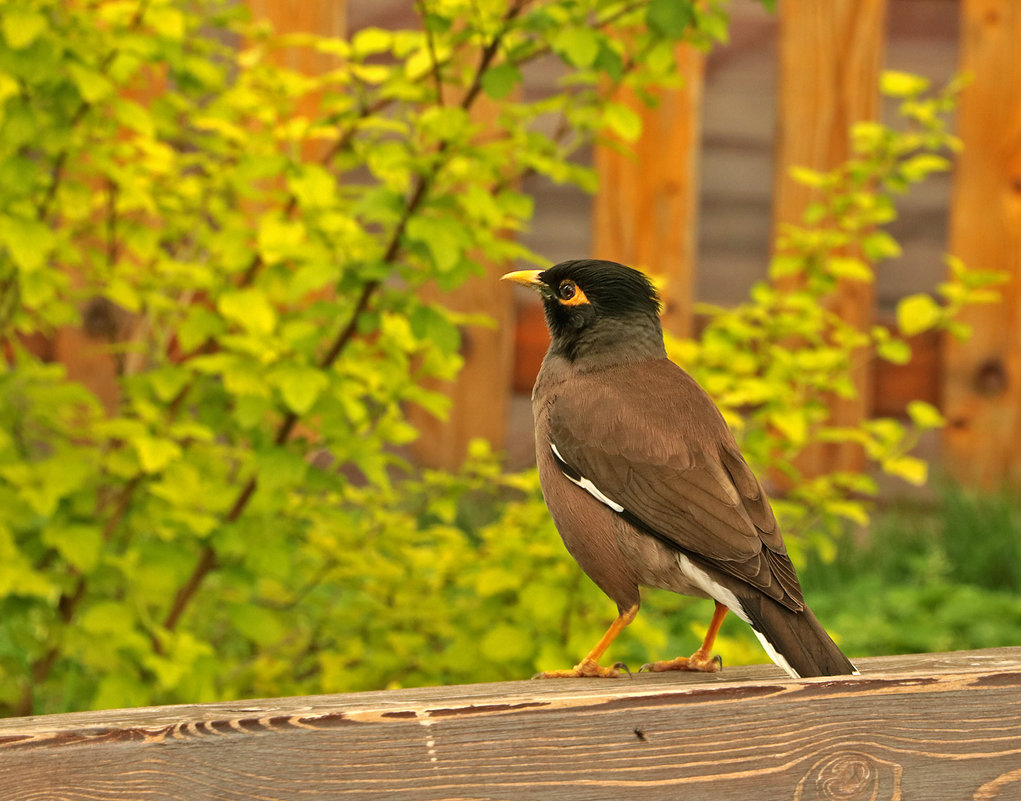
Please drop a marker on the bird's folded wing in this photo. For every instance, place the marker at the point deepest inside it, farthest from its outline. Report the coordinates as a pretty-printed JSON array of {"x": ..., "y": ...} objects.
[{"x": 667, "y": 459}]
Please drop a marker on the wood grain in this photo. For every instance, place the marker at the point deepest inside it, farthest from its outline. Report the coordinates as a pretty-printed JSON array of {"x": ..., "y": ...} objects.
[
  {"x": 829, "y": 61},
  {"x": 935, "y": 727},
  {"x": 644, "y": 213},
  {"x": 982, "y": 376}
]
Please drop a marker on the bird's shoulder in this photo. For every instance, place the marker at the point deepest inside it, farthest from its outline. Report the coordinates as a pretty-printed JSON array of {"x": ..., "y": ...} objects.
[{"x": 666, "y": 416}]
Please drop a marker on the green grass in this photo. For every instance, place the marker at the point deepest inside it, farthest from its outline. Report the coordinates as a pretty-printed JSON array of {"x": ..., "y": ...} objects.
[{"x": 936, "y": 579}]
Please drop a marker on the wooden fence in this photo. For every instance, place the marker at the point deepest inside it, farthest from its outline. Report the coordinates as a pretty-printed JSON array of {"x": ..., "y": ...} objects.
[
  {"x": 938, "y": 727},
  {"x": 829, "y": 60},
  {"x": 829, "y": 56}
]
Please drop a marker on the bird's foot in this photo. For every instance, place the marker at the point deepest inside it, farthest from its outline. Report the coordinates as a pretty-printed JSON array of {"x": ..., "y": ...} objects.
[
  {"x": 697, "y": 661},
  {"x": 586, "y": 668}
]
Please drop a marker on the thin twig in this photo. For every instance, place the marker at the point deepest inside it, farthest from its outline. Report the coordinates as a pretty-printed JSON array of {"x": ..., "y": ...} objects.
[{"x": 430, "y": 42}]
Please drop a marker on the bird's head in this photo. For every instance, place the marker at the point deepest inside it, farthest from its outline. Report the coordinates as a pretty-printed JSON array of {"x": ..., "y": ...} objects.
[{"x": 597, "y": 310}]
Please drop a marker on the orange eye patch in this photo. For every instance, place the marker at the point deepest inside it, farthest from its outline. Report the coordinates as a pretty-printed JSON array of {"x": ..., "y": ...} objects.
[{"x": 570, "y": 294}]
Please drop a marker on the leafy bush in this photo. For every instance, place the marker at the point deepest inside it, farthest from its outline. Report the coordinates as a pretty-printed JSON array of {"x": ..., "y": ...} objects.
[{"x": 236, "y": 523}]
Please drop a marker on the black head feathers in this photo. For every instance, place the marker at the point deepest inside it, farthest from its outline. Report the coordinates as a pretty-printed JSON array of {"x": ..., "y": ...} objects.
[
  {"x": 598, "y": 310},
  {"x": 612, "y": 289}
]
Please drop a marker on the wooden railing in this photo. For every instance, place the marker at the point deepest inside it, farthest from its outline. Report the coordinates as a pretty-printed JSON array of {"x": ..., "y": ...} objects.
[{"x": 935, "y": 727}]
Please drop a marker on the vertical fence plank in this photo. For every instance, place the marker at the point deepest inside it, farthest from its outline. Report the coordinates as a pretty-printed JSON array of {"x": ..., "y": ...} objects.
[
  {"x": 830, "y": 56},
  {"x": 982, "y": 377},
  {"x": 323, "y": 17},
  {"x": 645, "y": 210},
  {"x": 480, "y": 395}
]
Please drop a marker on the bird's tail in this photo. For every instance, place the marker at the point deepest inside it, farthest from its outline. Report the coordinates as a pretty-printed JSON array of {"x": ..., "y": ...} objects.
[{"x": 795, "y": 640}]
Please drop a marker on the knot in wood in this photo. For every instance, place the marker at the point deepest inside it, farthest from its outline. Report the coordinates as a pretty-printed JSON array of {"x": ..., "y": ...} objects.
[
  {"x": 850, "y": 776},
  {"x": 991, "y": 377},
  {"x": 100, "y": 318}
]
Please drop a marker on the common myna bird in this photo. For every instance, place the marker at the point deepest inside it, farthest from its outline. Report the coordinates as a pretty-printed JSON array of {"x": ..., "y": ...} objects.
[{"x": 645, "y": 481}]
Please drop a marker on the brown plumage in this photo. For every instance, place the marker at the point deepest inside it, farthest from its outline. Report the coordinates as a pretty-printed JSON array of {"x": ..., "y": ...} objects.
[{"x": 644, "y": 479}]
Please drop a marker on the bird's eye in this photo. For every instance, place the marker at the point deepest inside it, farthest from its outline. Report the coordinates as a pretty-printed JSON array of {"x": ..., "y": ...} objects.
[{"x": 568, "y": 289}]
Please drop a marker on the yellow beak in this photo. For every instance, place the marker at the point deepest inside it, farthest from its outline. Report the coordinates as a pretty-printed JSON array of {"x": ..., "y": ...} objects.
[{"x": 524, "y": 277}]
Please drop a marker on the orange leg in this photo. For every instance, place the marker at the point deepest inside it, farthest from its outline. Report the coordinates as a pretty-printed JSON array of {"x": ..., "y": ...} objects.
[
  {"x": 589, "y": 666},
  {"x": 700, "y": 660}
]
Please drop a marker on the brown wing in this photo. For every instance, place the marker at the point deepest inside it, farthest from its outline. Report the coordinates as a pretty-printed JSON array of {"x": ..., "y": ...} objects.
[{"x": 651, "y": 441}]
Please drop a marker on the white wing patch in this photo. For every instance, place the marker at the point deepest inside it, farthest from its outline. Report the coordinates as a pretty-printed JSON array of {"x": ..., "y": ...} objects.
[{"x": 585, "y": 483}]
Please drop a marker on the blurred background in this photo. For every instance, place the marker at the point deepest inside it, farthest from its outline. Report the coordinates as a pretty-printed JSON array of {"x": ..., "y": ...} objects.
[{"x": 266, "y": 419}]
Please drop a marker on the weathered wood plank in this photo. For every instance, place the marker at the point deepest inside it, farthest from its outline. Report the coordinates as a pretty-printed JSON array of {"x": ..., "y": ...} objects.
[
  {"x": 829, "y": 61},
  {"x": 644, "y": 213},
  {"x": 933, "y": 727},
  {"x": 982, "y": 377},
  {"x": 480, "y": 394}
]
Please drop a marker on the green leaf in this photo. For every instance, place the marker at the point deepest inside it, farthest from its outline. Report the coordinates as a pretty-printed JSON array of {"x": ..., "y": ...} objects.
[
  {"x": 167, "y": 381},
  {"x": 910, "y": 468},
  {"x": 250, "y": 309},
  {"x": 369, "y": 41},
  {"x": 155, "y": 453},
  {"x": 429, "y": 324},
  {"x": 135, "y": 116},
  {"x": 879, "y": 245},
  {"x": 792, "y": 424},
  {"x": 670, "y": 18},
  {"x": 17, "y": 576},
  {"x": 166, "y": 20},
  {"x": 917, "y": 313},
  {"x": 262, "y": 626},
  {"x": 849, "y": 267},
  {"x": 241, "y": 380},
  {"x": 443, "y": 237},
  {"x": 499, "y": 81},
  {"x": 21, "y": 26},
  {"x": 314, "y": 187},
  {"x": 783, "y": 265},
  {"x": 925, "y": 415},
  {"x": 280, "y": 469},
  {"x": 919, "y": 167},
  {"x": 624, "y": 121},
  {"x": 92, "y": 85},
  {"x": 299, "y": 386},
  {"x": 578, "y": 46},
  {"x": 849, "y": 510},
  {"x": 108, "y": 618},
  {"x": 895, "y": 351},
  {"x": 80, "y": 545},
  {"x": 279, "y": 238},
  {"x": 894, "y": 83},
  {"x": 28, "y": 241},
  {"x": 809, "y": 177}
]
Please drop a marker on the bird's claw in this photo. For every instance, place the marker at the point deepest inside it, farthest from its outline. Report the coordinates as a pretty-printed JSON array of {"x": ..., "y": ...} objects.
[
  {"x": 695, "y": 662},
  {"x": 587, "y": 668}
]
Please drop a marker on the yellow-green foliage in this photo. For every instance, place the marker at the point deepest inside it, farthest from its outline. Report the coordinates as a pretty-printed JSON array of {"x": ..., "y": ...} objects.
[{"x": 241, "y": 523}]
